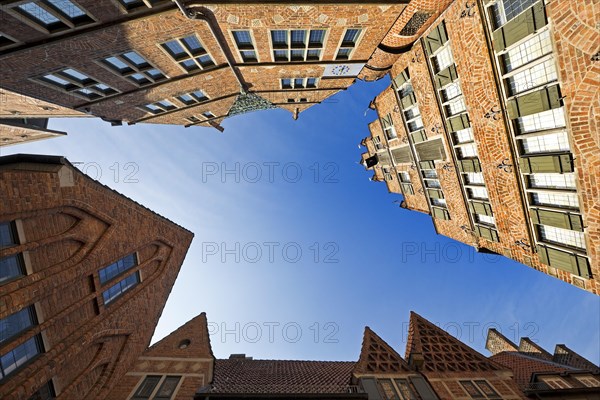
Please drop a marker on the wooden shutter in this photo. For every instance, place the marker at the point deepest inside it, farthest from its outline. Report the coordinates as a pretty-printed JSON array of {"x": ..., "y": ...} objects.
[
  {"x": 458, "y": 122},
  {"x": 423, "y": 388},
  {"x": 469, "y": 165},
  {"x": 427, "y": 164},
  {"x": 557, "y": 163},
  {"x": 431, "y": 150},
  {"x": 440, "y": 213},
  {"x": 402, "y": 155},
  {"x": 558, "y": 219},
  {"x": 563, "y": 260},
  {"x": 487, "y": 233},
  {"x": 419, "y": 136},
  {"x": 370, "y": 386},
  {"x": 480, "y": 207},
  {"x": 407, "y": 188},
  {"x": 384, "y": 158},
  {"x": 435, "y": 193},
  {"x": 545, "y": 99},
  {"x": 446, "y": 76},
  {"x": 408, "y": 100},
  {"x": 401, "y": 78},
  {"x": 528, "y": 22},
  {"x": 436, "y": 39}
]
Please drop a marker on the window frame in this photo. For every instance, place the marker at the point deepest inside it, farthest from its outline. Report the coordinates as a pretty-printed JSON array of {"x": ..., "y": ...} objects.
[
  {"x": 156, "y": 388},
  {"x": 289, "y": 47},
  {"x": 133, "y": 69},
  {"x": 350, "y": 47},
  {"x": 75, "y": 85},
  {"x": 195, "y": 98},
  {"x": 188, "y": 54},
  {"x": 242, "y": 49},
  {"x": 64, "y": 21},
  {"x": 107, "y": 300}
]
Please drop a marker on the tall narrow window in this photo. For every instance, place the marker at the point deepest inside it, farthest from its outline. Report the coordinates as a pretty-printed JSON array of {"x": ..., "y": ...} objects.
[
  {"x": 132, "y": 66},
  {"x": 53, "y": 15},
  {"x": 119, "y": 288},
  {"x": 349, "y": 42},
  {"x": 243, "y": 41},
  {"x": 11, "y": 327},
  {"x": 189, "y": 53},
  {"x": 11, "y": 267},
  {"x": 117, "y": 268}
]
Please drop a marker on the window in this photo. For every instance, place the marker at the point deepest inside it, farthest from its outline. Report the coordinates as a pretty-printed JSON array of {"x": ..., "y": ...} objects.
[
  {"x": 474, "y": 178},
  {"x": 20, "y": 355},
  {"x": 388, "y": 127},
  {"x": 8, "y": 234},
  {"x": 166, "y": 390},
  {"x": 208, "y": 115},
  {"x": 443, "y": 59},
  {"x": 552, "y": 181},
  {"x": 478, "y": 193},
  {"x": 532, "y": 48},
  {"x": 467, "y": 150},
  {"x": 377, "y": 142},
  {"x": 545, "y": 143},
  {"x": 53, "y": 15},
  {"x": 243, "y": 41},
  {"x": 451, "y": 91},
  {"x": 73, "y": 81},
  {"x": 485, "y": 219},
  {"x": 46, "y": 392},
  {"x": 588, "y": 381},
  {"x": 412, "y": 113},
  {"x": 472, "y": 390},
  {"x": 117, "y": 268},
  {"x": 487, "y": 389},
  {"x": 415, "y": 124},
  {"x": 194, "y": 97},
  {"x": 297, "y": 45},
  {"x": 189, "y": 53},
  {"x": 568, "y": 200},
  {"x": 404, "y": 177},
  {"x": 535, "y": 76},
  {"x": 119, "y": 288},
  {"x": 193, "y": 119},
  {"x": 348, "y": 44},
  {"x": 463, "y": 135},
  {"x": 429, "y": 173},
  {"x": 298, "y": 83},
  {"x": 133, "y": 67},
  {"x": 433, "y": 183},
  {"x": 505, "y": 10},
  {"x": 561, "y": 236},
  {"x": 11, "y": 267},
  {"x": 556, "y": 383},
  {"x": 455, "y": 106},
  {"x": 11, "y": 326},
  {"x": 159, "y": 107},
  {"x": 386, "y": 174},
  {"x": 438, "y": 202},
  {"x": 549, "y": 119},
  {"x": 405, "y": 389}
]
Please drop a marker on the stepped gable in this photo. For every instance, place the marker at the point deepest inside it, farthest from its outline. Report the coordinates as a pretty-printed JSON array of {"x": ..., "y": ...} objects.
[
  {"x": 441, "y": 352},
  {"x": 376, "y": 356}
]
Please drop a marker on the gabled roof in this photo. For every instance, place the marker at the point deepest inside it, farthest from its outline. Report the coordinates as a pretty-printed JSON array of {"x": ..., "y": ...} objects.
[
  {"x": 190, "y": 340},
  {"x": 524, "y": 365},
  {"x": 376, "y": 356},
  {"x": 440, "y": 351},
  {"x": 247, "y": 376}
]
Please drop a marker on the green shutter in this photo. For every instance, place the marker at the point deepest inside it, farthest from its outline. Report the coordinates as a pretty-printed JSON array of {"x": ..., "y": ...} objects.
[
  {"x": 440, "y": 213},
  {"x": 419, "y": 136},
  {"x": 446, "y": 76},
  {"x": 458, "y": 122},
  {"x": 470, "y": 165},
  {"x": 408, "y": 100},
  {"x": 431, "y": 150},
  {"x": 556, "y": 218},
  {"x": 480, "y": 207},
  {"x": 427, "y": 165},
  {"x": 407, "y": 188},
  {"x": 528, "y": 22},
  {"x": 544, "y": 99},
  {"x": 401, "y": 78},
  {"x": 556, "y": 163},
  {"x": 435, "y": 193},
  {"x": 402, "y": 155},
  {"x": 563, "y": 260},
  {"x": 384, "y": 158},
  {"x": 487, "y": 233},
  {"x": 436, "y": 39}
]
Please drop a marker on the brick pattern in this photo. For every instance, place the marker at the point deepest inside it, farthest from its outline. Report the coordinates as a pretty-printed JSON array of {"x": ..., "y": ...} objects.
[
  {"x": 575, "y": 32},
  {"x": 72, "y": 227}
]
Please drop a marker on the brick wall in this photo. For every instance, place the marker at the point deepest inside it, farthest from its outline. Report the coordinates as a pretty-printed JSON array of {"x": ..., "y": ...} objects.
[{"x": 71, "y": 226}]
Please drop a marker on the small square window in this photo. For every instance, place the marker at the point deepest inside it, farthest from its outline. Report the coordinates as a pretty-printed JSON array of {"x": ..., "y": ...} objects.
[
  {"x": 316, "y": 38},
  {"x": 311, "y": 83},
  {"x": 343, "y": 54},
  {"x": 189, "y": 65},
  {"x": 175, "y": 49},
  {"x": 243, "y": 39},
  {"x": 298, "y": 38},
  {"x": 297, "y": 55},
  {"x": 313, "y": 54},
  {"x": 286, "y": 83},
  {"x": 350, "y": 37},
  {"x": 8, "y": 234},
  {"x": 208, "y": 115},
  {"x": 189, "y": 53},
  {"x": 298, "y": 83},
  {"x": 279, "y": 38},
  {"x": 281, "y": 55},
  {"x": 193, "y": 119},
  {"x": 193, "y": 45},
  {"x": 205, "y": 61},
  {"x": 249, "y": 56},
  {"x": 135, "y": 59}
]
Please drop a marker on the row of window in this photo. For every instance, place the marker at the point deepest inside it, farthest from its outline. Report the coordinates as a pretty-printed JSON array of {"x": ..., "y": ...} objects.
[
  {"x": 187, "y": 99},
  {"x": 455, "y": 111},
  {"x": 526, "y": 64},
  {"x": 156, "y": 387}
]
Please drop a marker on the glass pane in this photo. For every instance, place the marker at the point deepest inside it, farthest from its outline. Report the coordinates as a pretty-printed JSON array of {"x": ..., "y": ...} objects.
[
  {"x": 7, "y": 236},
  {"x": 75, "y": 74},
  {"x": 249, "y": 55},
  {"x": 199, "y": 94},
  {"x": 555, "y": 199},
  {"x": 193, "y": 44},
  {"x": 155, "y": 74},
  {"x": 343, "y": 54},
  {"x": 443, "y": 59},
  {"x": 535, "y": 76},
  {"x": 165, "y": 104},
  {"x": 167, "y": 388},
  {"x": 486, "y": 219},
  {"x": 208, "y": 114},
  {"x": 474, "y": 178},
  {"x": 139, "y": 78},
  {"x": 527, "y": 51},
  {"x": 313, "y": 54},
  {"x": 478, "y": 193},
  {"x": 286, "y": 83},
  {"x": 15, "y": 323},
  {"x": 67, "y": 8},
  {"x": 118, "y": 64},
  {"x": 351, "y": 36},
  {"x": 38, "y": 13},
  {"x": 550, "y": 119},
  {"x": 10, "y": 267},
  {"x": 279, "y": 38},
  {"x": 562, "y": 236},
  {"x": 175, "y": 48},
  {"x": 297, "y": 55},
  {"x": 464, "y": 135},
  {"x": 451, "y": 91},
  {"x": 316, "y": 37},
  {"x": 189, "y": 65},
  {"x": 186, "y": 98},
  {"x": 57, "y": 80},
  {"x": 456, "y": 106},
  {"x": 298, "y": 37},
  {"x": 242, "y": 37},
  {"x": 545, "y": 143},
  {"x": 205, "y": 60},
  {"x": 145, "y": 390},
  {"x": 135, "y": 59},
  {"x": 280, "y": 55},
  {"x": 311, "y": 82},
  {"x": 559, "y": 181},
  {"x": 467, "y": 150},
  {"x": 298, "y": 83}
]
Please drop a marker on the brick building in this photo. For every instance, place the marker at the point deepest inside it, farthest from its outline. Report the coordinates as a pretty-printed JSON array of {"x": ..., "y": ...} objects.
[
  {"x": 81, "y": 294},
  {"x": 436, "y": 366},
  {"x": 491, "y": 127},
  {"x": 185, "y": 62}
]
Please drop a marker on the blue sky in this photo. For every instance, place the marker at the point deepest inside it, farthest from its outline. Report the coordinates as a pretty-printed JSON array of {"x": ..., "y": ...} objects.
[{"x": 322, "y": 251}]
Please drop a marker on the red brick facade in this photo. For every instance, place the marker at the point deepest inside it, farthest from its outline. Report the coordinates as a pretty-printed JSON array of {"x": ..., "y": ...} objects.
[{"x": 68, "y": 227}]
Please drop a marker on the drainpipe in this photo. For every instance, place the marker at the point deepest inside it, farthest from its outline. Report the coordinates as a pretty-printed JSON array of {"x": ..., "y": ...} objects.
[{"x": 204, "y": 14}]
